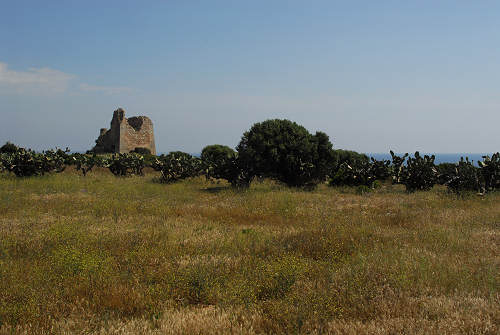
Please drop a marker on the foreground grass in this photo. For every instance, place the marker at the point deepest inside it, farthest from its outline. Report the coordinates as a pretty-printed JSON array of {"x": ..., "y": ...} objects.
[{"x": 126, "y": 255}]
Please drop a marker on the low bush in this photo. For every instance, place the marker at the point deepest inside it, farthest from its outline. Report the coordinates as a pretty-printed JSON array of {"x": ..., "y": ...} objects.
[
  {"x": 125, "y": 164},
  {"x": 218, "y": 161},
  {"x": 381, "y": 170},
  {"x": 361, "y": 172},
  {"x": 341, "y": 156},
  {"x": 86, "y": 162},
  {"x": 221, "y": 162},
  {"x": 490, "y": 172},
  {"x": 397, "y": 167},
  {"x": 176, "y": 166},
  {"x": 445, "y": 172},
  {"x": 463, "y": 178},
  {"x": 26, "y": 163},
  {"x": 419, "y": 173},
  {"x": 356, "y": 173}
]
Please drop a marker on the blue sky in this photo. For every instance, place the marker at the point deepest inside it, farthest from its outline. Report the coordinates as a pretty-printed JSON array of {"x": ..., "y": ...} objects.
[{"x": 373, "y": 75}]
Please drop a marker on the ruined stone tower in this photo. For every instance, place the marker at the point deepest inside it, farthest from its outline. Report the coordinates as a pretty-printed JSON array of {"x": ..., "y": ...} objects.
[{"x": 126, "y": 135}]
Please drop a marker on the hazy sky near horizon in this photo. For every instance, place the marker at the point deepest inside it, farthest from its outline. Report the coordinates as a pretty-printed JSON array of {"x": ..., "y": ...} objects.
[{"x": 373, "y": 75}]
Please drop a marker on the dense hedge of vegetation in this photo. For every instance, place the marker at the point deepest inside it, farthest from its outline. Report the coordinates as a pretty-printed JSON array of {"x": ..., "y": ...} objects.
[
  {"x": 276, "y": 149},
  {"x": 125, "y": 164},
  {"x": 176, "y": 166},
  {"x": 26, "y": 163}
]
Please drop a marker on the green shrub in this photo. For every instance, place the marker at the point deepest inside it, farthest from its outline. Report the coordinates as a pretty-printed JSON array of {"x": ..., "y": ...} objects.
[
  {"x": 125, "y": 164},
  {"x": 149, "y": 160},
  {"x": 218, "y": 161},
  {"x": 356, "y": 173},
  {"x": 26, "y": 163},
  {"x": 464, "y": 177},
  {"x": 221, "y": 162},
  {"x": 360, "y": 172},
  {"x": 85, "y": 162},
  {"x": 341, "y": 156},
  {"x": 397, "y": 167},
  {"x": 490, "y": 172},
  {"x": 8, "y": 148},
  {"x": 419, "y": 173},
  {"x": 381, "y": 170},
  {"x": 285, "y": 151},
  {"x": 445, "y": 171},
  {"x": 141, "y": 151},
  {"x": 176, "y": 166}
]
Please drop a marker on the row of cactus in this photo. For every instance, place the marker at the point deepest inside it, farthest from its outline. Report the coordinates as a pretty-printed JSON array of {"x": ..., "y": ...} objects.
[
  {"x": 463, "y": 177},
  {"x": 26, "y": 163},
  {"x": 120, "y": 164},
  {"x": 355, "y": 173},
  {"x": 417, "y": 173},
  {"x": 361, "y": 173},
  {"x": 124, "y": 164},
  {"x": 490, "y": 172},
  {"x": 420, "y": 173},
  {"x": 176, "y": 166},
  {"x": 85, "y": 162}
]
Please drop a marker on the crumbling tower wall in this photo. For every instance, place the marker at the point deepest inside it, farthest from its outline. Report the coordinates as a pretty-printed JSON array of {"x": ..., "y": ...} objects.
[{"x": 126, "y": 135}]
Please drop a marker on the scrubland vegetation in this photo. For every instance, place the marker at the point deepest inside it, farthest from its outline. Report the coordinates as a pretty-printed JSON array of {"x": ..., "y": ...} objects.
[
  {"x": 282, "y": 235},
  {"x": 101, "y": 254}
]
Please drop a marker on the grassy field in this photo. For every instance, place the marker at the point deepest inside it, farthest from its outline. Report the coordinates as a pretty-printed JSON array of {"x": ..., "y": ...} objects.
[{"x": 101, "y": 255}]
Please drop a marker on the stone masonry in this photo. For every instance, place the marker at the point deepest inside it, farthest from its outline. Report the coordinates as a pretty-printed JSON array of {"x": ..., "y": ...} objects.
[{"x": 125, "y": 135}]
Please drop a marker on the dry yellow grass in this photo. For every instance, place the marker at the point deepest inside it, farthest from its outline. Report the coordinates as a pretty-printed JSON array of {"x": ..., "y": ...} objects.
[{"x": 106, "y": 255}]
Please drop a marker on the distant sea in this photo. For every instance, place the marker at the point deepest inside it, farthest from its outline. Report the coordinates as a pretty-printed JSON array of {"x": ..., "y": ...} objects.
[{"x": 440, "y": 158}]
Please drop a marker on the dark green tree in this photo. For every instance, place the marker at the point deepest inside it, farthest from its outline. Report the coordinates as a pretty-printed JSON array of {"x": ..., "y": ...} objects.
[
  {"x": 285, "y": 151},
  {"x": 8, "y": 148}
]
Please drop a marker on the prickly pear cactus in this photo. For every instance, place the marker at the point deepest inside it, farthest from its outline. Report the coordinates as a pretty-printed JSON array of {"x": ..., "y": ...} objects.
[
  {"x": 397, "y": 167},
  {"x": 355, "y": 173},
  {"x": 490, "y": 172},
  {"x": 419, "y": 173},
  {"x": 84, "y": 162},
  {"x": 177, "y": 166},
  {"x": 381, "y": 170},
  {"x": 125, "y": 164},
  {"x": 26, "y": 163},
  {"x": 464, "y": 178}
]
